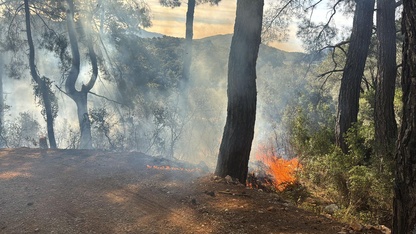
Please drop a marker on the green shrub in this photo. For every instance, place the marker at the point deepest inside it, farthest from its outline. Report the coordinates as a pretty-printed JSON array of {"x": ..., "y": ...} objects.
[
  {"x": 352, "y": 180},
  {"x": 360, "y": 181}
]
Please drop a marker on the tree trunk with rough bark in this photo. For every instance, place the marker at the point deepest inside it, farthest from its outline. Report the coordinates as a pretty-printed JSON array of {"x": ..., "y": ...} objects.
[
  {"x": 349, "y": 94},
  {"x": 42, "y": 84},
  {"x": 404, "y": 220},
  {"x": 384, "y": 117},
  {"x": 2, "y": 141},
  {"x": 238, "y": 133},
  {"x": 188, "y": 40}
]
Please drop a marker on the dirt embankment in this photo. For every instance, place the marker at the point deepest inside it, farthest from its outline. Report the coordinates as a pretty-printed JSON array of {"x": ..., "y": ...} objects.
[{"x": 81, "y": 191}]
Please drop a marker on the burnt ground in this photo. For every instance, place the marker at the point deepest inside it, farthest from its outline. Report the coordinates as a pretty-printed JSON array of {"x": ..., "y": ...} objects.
[{"x": 81, "y": 191}]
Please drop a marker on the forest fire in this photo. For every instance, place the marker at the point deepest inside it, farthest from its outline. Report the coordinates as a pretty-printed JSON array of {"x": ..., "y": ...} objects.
[
  {"x": 273, "y": 171},
  {"x": 171, "y": 168}
]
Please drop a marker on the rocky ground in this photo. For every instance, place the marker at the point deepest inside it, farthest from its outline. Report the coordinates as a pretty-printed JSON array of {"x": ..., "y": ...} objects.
[{"x": 81, "y": 191}]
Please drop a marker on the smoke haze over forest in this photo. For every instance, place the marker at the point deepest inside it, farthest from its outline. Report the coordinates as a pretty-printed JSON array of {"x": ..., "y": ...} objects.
[
  {"x": 207, "y": 102},
  {"x": 137, "y": 106}
]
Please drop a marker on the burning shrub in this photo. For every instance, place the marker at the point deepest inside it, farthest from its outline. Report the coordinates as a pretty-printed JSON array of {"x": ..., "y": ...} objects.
[
  {"x": 276, "y": 174},
  {"x": 283, "y": 171},
  {"x": 273, "y": 173}
]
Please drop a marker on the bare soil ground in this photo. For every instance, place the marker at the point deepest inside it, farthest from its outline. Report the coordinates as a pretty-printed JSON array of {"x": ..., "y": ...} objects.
[{"x": 81, "y": 191}]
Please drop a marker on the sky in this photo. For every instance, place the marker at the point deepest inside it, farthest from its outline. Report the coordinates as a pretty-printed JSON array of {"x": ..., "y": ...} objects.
[{"x": 209, "y": 21}]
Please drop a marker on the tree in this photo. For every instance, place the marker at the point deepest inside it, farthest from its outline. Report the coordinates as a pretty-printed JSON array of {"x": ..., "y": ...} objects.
[
  {"x": 348, "y": 100},
  {"x": 384, "y": 117},
  {"x": 19, "y": 26},
  {"x": 238, "y": 133},
  {"x": 189, "y": 29},
  {"x": 80, "y": 97},
  {"x": 2, "y": 106},
  {"x": 42, "y": 88},
  {"x": 404, "y": 219},
  {"x": 189, "y": 34}
]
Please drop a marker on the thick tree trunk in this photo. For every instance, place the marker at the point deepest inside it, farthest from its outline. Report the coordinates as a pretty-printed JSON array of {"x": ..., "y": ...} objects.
[
  {"x": 349, "y": 93},
  {"x": 188, "y": 40},
  {"x": 242, "y": 94},
  {"x": 404, "y": 220},
  {"x": 80, "y": 97},
  {"x": 44, "y": 89},
  {"x": 2, "y": 141},
  {"x": 384, "y": 117}
]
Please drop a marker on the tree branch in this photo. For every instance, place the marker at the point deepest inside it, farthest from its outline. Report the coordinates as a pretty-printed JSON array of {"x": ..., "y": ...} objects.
[
  {"x": 94, "y": 64},
  {"x": 313, "y": 5},
  {"x": 95, "y": 94},
  {"x": 278, "y": 14},
  {"x": 330, "y": 72},
  {"x": 334, "y": 11},
  {"x": 106, "y": 98}
]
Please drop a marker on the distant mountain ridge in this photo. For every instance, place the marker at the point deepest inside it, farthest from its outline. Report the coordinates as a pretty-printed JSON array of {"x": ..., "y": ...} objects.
[
  {"x": 267, "y": 54},
  {"x": 223, "y": 42},
  {"x": 227, "y": 38}
]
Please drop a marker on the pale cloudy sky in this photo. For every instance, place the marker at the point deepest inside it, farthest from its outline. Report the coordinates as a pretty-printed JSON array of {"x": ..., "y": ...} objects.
[{"x": 209, "y": 21}]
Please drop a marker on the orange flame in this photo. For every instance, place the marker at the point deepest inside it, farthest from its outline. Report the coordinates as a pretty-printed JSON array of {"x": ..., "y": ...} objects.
[
  {"x": 169, "y": 168},
  {"x": 282, "y": 170}
]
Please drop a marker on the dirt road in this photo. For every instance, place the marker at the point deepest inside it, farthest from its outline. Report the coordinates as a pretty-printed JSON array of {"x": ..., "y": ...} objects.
[{"x": 81, "y": 191}]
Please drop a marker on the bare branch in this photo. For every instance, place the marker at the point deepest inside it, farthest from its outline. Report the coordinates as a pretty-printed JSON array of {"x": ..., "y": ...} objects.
[
  {"x": 62, "y": 91},
  {"x": 313, "y": 5},
  {"x": 106, "y": 98},
  {"x": 277, "y": 15},
  {"x": 95, "y": 94},
  {"x": 330, "y": 72},
  {"x": 338, "y": 45},
  {"x": 46, "y": 25},
  {"x": 334, "y": 11}
]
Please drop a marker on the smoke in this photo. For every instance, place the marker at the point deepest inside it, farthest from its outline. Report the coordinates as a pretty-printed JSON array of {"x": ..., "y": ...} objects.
[
  {"x": 280, "y": 83},
  {"x": 138, "y": 105}
]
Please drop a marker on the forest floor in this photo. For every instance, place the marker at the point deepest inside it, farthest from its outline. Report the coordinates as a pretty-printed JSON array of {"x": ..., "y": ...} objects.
[{"x": 81, "y": 191}]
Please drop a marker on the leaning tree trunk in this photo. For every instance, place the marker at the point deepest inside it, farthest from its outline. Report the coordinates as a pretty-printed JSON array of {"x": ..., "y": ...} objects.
[
  {"x": 384, "y": 117},
  {"x": 404, "y": 220},
  {"x": 80, "y": 97},
  {"x": 42, "y": 84},
  {"x": 349, "y": 93},
  {"x": 242, "y": 94}
]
